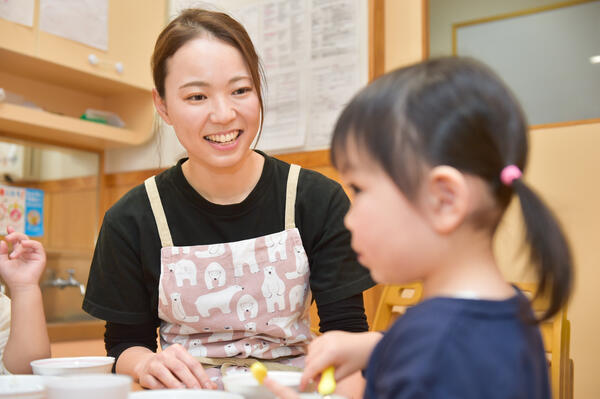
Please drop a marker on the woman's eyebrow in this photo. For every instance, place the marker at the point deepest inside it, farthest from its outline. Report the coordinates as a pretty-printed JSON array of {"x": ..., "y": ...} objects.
[{"x": 201, "y": 83}]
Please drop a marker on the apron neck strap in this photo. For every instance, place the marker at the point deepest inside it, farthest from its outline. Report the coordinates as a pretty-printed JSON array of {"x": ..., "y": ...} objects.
[
  {"x": 290, "y": 197},
  {"x": 159, "y": 212}
]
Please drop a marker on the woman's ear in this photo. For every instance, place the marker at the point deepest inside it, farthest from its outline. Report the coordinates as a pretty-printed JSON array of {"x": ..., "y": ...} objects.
[
  {"x": 446, "y": 198},
  {"x": 161, "y": 106}
]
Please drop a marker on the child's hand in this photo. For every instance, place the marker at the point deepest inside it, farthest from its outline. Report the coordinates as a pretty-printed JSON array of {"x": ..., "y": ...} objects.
[
  {"x": 23, "y": 266},
  {"x": 347, "y": 352}
]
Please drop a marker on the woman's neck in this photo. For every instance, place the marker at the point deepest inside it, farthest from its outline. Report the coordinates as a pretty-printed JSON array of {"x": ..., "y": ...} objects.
[
  {"x": 468, "y": 271},
  {"x": 224, "y": 186}
]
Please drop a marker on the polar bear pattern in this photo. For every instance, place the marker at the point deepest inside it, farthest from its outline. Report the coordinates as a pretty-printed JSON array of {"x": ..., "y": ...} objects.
[
  {"x": 183, "y": 269},
  {"x": 247, "y": 306},
  {"x": 219, "y": 299},
  {"x": 196, "y": 348},
  {"x": 185, "y": 329},
  {"x": 179, "y": 311},
  {"x": 162, "y": 296},
  {"x": 281, "y": 352},
  {"x": 285, "y": 323},
  {"x": 295, "y": 340},
  {"x": 276, "y": 245},
  {"x": 273, "y": 289},
  {"x": 226, "y": 335},
  {"x": 260, "y": 348},
  {"x": 247, "y": 348},
  {"x": 249, "y": 329},
  {"x": 301, "y": 263},
  {"x": 212, "y": 251},
  {"x": 214, "y": 276},
  {"x": 231, "y": 350},
  {"x": 180, "y": 339},
  {"x": 297, "y": 296},
  {"x": 242, "y": 253}
]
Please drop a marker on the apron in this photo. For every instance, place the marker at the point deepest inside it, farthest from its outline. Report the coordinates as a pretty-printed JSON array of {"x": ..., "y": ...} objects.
[{"x": 235, "y": 300}]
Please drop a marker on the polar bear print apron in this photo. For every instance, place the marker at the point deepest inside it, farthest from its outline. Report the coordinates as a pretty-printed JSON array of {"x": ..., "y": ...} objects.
[{"x": 235, "y": 300}]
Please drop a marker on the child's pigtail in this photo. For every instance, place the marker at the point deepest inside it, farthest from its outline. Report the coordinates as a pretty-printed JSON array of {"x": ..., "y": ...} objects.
[{"x": 549, "y": 250}]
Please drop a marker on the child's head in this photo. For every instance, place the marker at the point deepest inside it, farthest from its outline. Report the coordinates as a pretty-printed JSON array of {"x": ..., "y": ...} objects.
[{"x": 451, "y": 124}]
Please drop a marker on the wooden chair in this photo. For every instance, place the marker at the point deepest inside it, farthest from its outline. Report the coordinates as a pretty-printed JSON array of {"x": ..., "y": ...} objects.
[
  {"x": 555, "y": 332},
  {"x": 393, "y": 303}
]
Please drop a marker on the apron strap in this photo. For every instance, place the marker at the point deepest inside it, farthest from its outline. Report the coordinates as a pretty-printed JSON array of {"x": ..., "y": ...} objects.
[
  {"x": 159, "y": 212},
  {"x": 290, "y": 197}
]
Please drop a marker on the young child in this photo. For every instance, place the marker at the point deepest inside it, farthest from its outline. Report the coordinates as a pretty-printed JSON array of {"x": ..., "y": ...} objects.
[
  {"x": 434, "y": 153},
  {"x": 25, "y": 337}
]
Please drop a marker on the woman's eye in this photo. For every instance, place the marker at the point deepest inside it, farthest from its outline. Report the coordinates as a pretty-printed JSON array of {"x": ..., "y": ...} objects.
[
  {"x": 196, "y": 97},
  {"x": 242, "y": 90}
]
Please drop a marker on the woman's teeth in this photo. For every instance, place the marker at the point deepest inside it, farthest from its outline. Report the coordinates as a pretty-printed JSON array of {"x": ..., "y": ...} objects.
[{"x": 223, "y": 138}]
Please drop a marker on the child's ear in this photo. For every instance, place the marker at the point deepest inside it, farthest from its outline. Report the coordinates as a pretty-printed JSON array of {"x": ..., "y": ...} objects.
[
  {"x": 161, "y": 106},
  {"x": 446, "y": 197}
]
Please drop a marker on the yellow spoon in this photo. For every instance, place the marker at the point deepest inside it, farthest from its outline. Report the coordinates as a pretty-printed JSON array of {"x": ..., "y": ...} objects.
[
  {"x": 327, "y": 383},
  {"x": 259, "y": 371}
]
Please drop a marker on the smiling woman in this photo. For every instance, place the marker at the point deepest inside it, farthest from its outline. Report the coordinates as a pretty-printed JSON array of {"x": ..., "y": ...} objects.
[{"x": 224, "y": 250}]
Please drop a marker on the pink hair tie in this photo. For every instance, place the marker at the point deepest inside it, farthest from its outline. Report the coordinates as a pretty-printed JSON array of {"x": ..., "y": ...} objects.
[{"x": 509, "y": 174}]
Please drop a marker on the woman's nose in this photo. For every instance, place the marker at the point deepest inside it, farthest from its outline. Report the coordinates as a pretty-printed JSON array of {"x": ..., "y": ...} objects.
[{"x": 222, "y": 111}]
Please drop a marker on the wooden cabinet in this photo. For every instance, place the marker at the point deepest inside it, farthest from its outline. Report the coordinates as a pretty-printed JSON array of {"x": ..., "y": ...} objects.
[{"x": 55, "y": 74}]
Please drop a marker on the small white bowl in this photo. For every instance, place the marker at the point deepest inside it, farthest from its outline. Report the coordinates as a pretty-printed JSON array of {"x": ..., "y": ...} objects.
[
  {"x": 184, "y": 394},
  {"x": 246, "y": 385},
  {"x": 90, "y": 386},
  {"x": 24, "y": 386},
  {"x": 73, "y": 365}
]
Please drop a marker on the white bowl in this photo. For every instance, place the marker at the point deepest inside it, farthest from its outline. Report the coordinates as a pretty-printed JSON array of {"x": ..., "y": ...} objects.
[
  {"x": 73, "y": 365},
  {"x": 246, "y": 385},
  {"x": 90, "y": 386},
  {"x": 183, "y": 394},
  {"x": 24, "y": 386}
]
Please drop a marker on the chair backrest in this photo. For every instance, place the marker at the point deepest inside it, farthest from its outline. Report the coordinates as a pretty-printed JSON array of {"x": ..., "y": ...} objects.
[
  {"x": 555, "y": 332},
  {"x": 393, "y": 303}
]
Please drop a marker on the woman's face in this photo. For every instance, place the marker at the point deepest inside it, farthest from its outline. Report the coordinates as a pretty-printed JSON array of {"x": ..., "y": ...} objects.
[{"x": 211, "y": 102}]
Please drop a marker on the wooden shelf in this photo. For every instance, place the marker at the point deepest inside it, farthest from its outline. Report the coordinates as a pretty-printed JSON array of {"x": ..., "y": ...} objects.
[{"x": 26, "y": 123}]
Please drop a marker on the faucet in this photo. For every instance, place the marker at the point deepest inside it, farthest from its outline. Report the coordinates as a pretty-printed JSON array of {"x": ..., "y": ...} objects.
[{"x": 62, "y": 283}]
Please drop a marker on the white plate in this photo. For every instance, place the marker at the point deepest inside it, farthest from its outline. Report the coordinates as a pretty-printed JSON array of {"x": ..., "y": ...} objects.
[
  {"x": 183, "y": 394},
  {"x": 247, "y": 386},
  {"x": 24, "y": 386},
  {"x": 90, "y": 386},
  {"x": 73, "y": 365}
]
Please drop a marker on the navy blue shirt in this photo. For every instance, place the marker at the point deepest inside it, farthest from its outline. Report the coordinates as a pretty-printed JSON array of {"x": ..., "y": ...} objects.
[{"x": 461, "y": 348}]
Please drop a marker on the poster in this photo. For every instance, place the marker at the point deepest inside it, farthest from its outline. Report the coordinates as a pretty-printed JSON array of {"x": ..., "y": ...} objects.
[{"x": 22, "y": 209}]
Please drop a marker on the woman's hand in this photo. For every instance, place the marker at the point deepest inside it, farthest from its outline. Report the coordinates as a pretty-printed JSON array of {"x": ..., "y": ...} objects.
[
  {"x": 174, "y": 367},
  {"x": 23, "y": 266},
  {"x": 347, "y": 352}
]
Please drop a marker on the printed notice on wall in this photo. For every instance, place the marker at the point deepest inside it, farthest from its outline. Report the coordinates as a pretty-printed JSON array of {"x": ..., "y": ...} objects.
[
  {"x": 22, "y": 209},
  {"x": 314, "y": 53},
  {"x": 84, "y": 21},
  {"x": 19, "y": 11}
]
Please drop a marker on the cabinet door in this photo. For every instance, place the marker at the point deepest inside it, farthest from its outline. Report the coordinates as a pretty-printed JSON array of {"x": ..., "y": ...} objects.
[
  {"x": 133, "y": 26},
  {"x": 16, "y": 37}
]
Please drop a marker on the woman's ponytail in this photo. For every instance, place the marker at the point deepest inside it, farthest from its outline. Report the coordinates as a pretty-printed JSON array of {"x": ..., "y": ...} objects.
[{"x": 549, "y": 250}]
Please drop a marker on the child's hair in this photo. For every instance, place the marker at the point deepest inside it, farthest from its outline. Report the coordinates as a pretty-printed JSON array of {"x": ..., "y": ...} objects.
[{"x": 456, "y": 112}]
